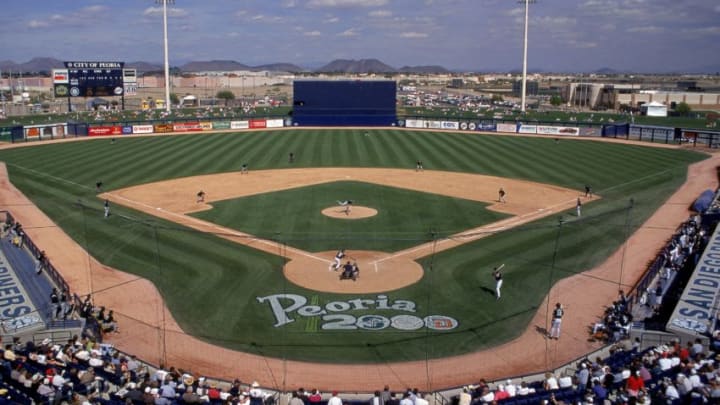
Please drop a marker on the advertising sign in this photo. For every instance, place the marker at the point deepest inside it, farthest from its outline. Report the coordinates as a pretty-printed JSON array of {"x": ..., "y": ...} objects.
[
  {"x": 450, "y": 125},
  {"x": 162, "y": 128},
  {"x": 239, "y": 124},
  {"x": 433, "y": 124},
  {"x": 221, "y": 125},
  {"x": 527, "y": 129},
  {"x": 414, "y": 123},
  {"x": 105, "y": 130},
  {"x": 276, "y": 123},
  {"x": 503, "y": 127},
  {"x": 553, "y": 130},
  {"x": 258, "y": 124},
  {"x": 187, "y": 127},
  {"x": 486, "y": 126},
  {"x": 206, "y": 126},
  {"x": 127, "y": 130},
  {"x": 142, "y": 129},
  {"x": 697, "y": 309}
]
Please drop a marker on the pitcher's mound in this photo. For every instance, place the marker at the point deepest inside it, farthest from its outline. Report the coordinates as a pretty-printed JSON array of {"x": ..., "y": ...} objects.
[
  {"x": 356, "y": 212},
  {"x": 379, "y": 272}
]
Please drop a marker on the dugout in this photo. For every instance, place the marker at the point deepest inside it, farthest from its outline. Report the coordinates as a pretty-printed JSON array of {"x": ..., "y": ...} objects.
[{"x": 344, "y": 102}]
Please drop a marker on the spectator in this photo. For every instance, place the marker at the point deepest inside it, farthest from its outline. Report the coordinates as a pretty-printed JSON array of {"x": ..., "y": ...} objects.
[
  {"x": 465, "y": 397},
  {"x": 385, "y": 395},
  {"x": 551, "y": 382},
  {"x": 582, "y": 376},
  {"x": 335, "y": 399},
  {"x": 315, "y": 397}
]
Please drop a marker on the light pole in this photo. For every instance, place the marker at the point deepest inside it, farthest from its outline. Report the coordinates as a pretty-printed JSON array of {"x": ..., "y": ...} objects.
[
  {"x": 165, "y": 43},
  {"x": 525, "y": 47}
]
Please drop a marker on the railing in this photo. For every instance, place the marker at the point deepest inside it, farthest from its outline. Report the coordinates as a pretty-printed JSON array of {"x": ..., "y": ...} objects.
[{"x": 48, "y": 267}]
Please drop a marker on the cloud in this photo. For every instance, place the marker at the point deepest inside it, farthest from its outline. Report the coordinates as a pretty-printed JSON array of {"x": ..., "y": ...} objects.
[
  {"x": 554, "y": 22},
  {"x": 332, "y": 20},
  {"x": 701, "y": 31},
  {"x": 380, "y": 13},
  {"x": 346, "y": 3},
  {"x": 413, "y": 35},
  {"x": 266, "y": 18},
  {"x": 312, "y": 33},
  {"x": 171, "y": 12},
  {"x": 649, "y": 29},
  {"x": 352, "y": 32},
  {"x": 37, "y": 24},
  {"x": 582, "y": 44},
  {"x": 81, "y": 17}
]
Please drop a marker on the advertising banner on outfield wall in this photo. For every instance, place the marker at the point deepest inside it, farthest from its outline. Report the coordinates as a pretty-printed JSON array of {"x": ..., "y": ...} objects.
[
  {"x": 590, "y": 131},
  {"x": 187, "y": 127},
  {"x": 162, "y": 128},
  {"x": 503, "y": 127},
  {"x": 527, "y": 129},
  {"x": 105, "y": 130},
  {"x": 221, "y": 125},
  {"x": 433, "y": 124},
  {"x": 240, "y": 124},
  {"x": 486, "y": 126},
  {"x": 414, "y": 123},
  {"x": 450, "y": 125},
  {"x": 142, "y": 129},
  {"x": 552, "y": 130},
  {"x": 127, "y": 130},
  {"x": 206, "y": 126},
  {"x": 696, "y": 310},
  {"x": 258, "y": 124},
  {"x": 276, "y": 123}
]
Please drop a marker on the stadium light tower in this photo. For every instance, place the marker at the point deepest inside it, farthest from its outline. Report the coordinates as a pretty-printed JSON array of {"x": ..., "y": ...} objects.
[
  {"x": 165, "y": 43},
  {"x": 525, "y": 46}
]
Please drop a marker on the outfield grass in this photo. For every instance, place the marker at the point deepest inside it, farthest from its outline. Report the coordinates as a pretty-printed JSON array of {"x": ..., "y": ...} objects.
[
  {"x": 211, "y": 284},
  {"x": 405, "y": 218}
]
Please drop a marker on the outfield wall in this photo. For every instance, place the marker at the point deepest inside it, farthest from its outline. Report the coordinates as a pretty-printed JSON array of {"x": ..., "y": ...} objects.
[{"x": 644, "y": 133}]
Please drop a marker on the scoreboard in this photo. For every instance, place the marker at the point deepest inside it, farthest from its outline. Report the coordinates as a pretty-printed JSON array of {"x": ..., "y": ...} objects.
[{"x": 89, "y": 79}]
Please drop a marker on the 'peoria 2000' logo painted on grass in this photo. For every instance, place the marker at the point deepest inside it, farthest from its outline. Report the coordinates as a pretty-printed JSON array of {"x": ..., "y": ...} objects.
[{"x": 335, "y": 317}]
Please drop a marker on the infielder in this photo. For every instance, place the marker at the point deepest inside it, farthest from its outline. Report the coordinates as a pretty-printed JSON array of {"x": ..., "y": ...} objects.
[
  {"x": 200, "y": 197},
  {"x": 347, "y": 204},
  {"x": 578, "y": 207},
  {"x": 501, "y": 195},
  {"x": 107, "y": 208},
  {"x": 338, "y": 260},
  {"x": 498, "y": 280}
]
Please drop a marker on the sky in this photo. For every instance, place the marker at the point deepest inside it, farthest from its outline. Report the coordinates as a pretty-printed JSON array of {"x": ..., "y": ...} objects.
[{"x": 471, "y": 35}]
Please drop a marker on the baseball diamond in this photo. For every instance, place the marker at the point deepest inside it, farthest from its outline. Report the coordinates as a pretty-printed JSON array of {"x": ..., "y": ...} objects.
[{"x": 248, "y": 280}]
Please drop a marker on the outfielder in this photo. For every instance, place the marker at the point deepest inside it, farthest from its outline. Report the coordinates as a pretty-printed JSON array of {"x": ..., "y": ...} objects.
[
  {"x": 498, "y": 280},
  {"x": 338, "y": 260},
  {"x": 106, "y": 206}
]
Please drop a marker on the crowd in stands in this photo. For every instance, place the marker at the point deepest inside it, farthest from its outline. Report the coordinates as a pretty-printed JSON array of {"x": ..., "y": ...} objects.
[{"x": 676, "y": 263}]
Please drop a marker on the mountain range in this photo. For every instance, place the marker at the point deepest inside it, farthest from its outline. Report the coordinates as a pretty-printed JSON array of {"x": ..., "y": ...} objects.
[{"x": 46, "y": 65}]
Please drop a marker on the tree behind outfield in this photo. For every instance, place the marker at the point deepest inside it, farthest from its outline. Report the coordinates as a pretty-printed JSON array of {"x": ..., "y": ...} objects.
[
  {"x": 555, "y": 100},
  {"x": 226, "y": 95},
  {"x": 683, "y": 108}
]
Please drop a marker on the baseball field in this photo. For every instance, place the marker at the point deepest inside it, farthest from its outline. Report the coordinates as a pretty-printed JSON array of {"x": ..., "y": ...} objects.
[{"x": 248, "y": 268}]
